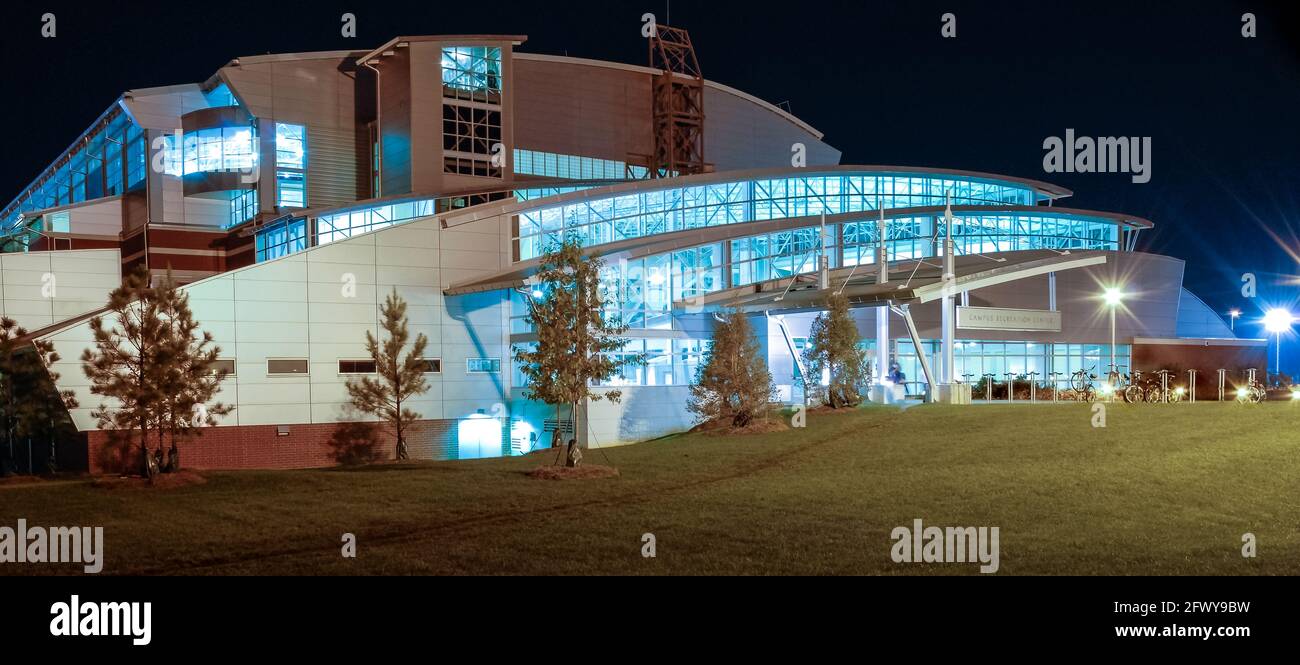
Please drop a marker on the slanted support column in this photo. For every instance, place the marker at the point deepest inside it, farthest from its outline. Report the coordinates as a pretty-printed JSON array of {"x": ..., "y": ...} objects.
[{"x": 906, "y": 313}]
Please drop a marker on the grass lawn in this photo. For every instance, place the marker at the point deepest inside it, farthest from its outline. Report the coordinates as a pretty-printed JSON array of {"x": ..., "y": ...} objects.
[{"x": 1160, "y": 490}]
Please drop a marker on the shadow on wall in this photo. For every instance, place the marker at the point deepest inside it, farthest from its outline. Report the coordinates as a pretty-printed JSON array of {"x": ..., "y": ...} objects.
[
  {"x": 354, "y": 442},
  {"x": 648, "y": 413},
  {"x": 119, "y": 452}
]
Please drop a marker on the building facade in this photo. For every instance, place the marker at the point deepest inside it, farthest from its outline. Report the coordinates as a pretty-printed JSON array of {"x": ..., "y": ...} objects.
[{"x": 291, "y": 193}]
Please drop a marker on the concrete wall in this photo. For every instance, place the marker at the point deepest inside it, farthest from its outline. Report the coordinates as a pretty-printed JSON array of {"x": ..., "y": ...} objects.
[{"x": 38, "y": 289}]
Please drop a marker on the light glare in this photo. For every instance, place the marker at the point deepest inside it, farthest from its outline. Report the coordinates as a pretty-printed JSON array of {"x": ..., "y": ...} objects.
[{"x": 1278, "y": 320}]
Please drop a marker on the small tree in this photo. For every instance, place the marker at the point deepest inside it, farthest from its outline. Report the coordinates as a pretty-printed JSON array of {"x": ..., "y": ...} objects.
[
  {"x": 128, "y": 361},
  {"x": 733, "y": 384},
  {"x": 401, "y": 377},
  {"x": 576, "y": 345},
  {"x": 189, "y": 380},
  {"x": 833, "y": 345},
  {"x": 30, "y": 401}
]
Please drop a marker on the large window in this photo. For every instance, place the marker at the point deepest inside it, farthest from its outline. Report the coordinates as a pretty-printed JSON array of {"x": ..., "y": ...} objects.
[
  {"x": 668, "y": 362},
  {"x": 214, "y": 150},
  {"x": 281, "y": 239},
  {"x": 471, "y": 72},
  {"x": 292, "y": 189},
  {"x": 576, "y": 167},
  {"x": 468, "y": 136},
  {"x": 107, "y": 160},
  {"x": 471, "y": 110},
  {"x": 639, "y": 214},
  {"x": 290, "y": 165},
  {"x": 243, "y": 206}
]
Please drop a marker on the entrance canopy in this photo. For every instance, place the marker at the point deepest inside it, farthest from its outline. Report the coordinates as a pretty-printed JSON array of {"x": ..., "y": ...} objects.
[{"x": 910, "y": 282}]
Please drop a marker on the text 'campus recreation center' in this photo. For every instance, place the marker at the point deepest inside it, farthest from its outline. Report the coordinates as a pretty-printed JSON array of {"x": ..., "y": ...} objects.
[{"x": 291, "y": 193}]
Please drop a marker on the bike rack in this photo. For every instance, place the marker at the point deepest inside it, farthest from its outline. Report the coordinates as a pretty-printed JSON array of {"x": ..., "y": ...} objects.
[
  {"x": 1191, "y": 386},
  {"x": 1056, "y": 387},
  {"x": 1033, "y": 387},
  {"x": 1223, "y": 378},
  {"x": 989, "y": 390},
  {"x": 1011, "y": 387}
]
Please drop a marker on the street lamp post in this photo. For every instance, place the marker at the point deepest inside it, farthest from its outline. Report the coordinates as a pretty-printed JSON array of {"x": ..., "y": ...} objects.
[
  {"x": 1277, "y": 321},
  {"x": 1232, "y": 317},
  {"x": 1114, "y": 297}
]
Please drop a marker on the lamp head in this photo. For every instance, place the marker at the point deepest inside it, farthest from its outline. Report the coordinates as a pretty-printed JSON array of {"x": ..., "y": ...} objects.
[
  {"x": 1278, "y": 320},
  {"x": 1113, "y": 296}
]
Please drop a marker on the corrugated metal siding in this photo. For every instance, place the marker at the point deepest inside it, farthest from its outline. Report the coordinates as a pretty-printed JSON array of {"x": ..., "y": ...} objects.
[{"x": 333, "y": 176}]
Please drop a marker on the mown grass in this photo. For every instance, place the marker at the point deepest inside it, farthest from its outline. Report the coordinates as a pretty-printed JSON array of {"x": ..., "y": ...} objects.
[{"x": 1159, "y": 490}]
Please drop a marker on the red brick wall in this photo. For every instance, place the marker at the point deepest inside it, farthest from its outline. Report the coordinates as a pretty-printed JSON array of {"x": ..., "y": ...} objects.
[{"x": 259, "y": 447}]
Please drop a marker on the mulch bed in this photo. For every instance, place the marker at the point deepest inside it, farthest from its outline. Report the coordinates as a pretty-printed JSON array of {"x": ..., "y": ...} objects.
[
  {"x": 758, "y": 426},
  {"x": 164, "y": 481},
  {"x": 583, "y": 472}
]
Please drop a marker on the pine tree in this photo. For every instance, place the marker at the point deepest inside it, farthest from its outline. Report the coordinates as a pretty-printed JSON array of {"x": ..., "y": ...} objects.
[
  {"x": 833, "y": 345},
  {"x": 128, "y": 361},
  {"x": 189, "y": 382},
  {"x": 400, "y": 377},
  {"x": 576, "y": 346},
  {"x": 733, "y": 384}
]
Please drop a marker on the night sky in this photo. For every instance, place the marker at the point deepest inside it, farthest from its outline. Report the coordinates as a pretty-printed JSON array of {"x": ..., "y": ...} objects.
[{"x": 1223, "y": 111}]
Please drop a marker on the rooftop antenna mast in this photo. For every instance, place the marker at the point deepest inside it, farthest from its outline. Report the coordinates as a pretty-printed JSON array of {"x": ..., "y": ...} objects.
[{"x": 678, "y": 104}]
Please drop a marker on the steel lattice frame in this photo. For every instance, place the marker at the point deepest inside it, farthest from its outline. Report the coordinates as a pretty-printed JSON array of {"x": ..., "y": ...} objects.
[{"x": 678, "y": 103}]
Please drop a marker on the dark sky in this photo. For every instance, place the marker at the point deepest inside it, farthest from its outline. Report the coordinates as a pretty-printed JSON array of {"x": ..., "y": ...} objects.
[{"x": 876, "y": 77}]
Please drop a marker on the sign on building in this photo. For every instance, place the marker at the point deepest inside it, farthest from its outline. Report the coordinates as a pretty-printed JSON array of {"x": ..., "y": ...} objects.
[{"x": 1001, "y": 318}]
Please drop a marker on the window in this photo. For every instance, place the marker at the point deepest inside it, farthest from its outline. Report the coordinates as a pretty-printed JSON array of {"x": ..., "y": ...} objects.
[
  {"x": 471, "y": 110},
  {"x": 357, "y": 367},
  {"x": 290, "y": 146},
  {"x": 468, "y": 136},
  {"x": 281, "y": 239},
  {"x": 222, "y": 366},
  {"x": 287, "y": 366},
  {"x": 243, "y": 206},
  {"x": 290, "y": 165},
  {"x": 60, "y": 222},
  {"x": 292, "y": 189},
  {"x": 483, "y": 365},
  {"x": 576, "y": 167},
  {"x": 432, "y": 366},
  {"x": 135, "y": 159},
  {"x": 471, "y": 72},
  {"x": 217, "y": 149}
]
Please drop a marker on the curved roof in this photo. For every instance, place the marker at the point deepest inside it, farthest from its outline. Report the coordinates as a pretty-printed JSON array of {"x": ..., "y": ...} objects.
[{"x": 643, "y": 246}]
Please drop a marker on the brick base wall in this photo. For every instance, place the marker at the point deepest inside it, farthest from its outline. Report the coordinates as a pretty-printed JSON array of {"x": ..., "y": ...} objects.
[{"x": 260, "y": 447}]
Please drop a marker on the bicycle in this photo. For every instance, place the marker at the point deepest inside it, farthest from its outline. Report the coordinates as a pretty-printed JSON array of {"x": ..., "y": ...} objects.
[
  {"x": 1081, "y": 384},
  {"x": 1252, "y": 393}
]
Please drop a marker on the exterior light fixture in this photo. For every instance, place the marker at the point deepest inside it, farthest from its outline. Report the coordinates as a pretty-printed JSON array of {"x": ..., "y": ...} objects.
[
  {"x": 1278, "y": 321},
  {"x": 1113, "y": 296},
  {"x": 1241, "y": 392}
]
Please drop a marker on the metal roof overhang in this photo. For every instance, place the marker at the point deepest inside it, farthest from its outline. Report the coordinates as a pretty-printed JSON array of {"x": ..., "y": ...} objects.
[
  {"x": 499, "y": 208},
  {"x": 913, "y": 282},
  {"x": 515, "y": 276}
]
